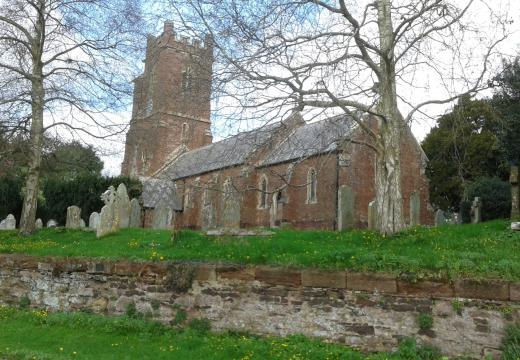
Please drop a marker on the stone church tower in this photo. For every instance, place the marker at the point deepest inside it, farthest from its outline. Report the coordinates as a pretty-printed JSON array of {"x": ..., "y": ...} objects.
[{"x": 171, "y": 106}]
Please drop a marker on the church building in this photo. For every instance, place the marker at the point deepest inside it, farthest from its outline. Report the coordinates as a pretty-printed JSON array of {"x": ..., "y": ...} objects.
[{"x": 289, "y": 173}]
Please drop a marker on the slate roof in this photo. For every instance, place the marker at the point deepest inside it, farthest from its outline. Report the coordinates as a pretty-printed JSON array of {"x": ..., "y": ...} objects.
[
  {"x": 303, "y": 141},
  {"x": 311, "y": 139},
  {"x": 160, "y": 191}
]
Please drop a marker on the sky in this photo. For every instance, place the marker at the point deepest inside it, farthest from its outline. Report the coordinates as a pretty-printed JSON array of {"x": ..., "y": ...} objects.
[{"x": 112, "y": 151}]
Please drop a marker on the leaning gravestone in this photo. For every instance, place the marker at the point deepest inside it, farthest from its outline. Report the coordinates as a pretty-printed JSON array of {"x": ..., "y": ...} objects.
[
  {"x": 10, "y": 222},
  {"x": 108, "y": 219},
  {"x": 73, "y": 217},
  {"x": 122, "y": 206},
  {"x": 346, "y": 211},
  {"x": 93, "y": 221},
  {"x": 52, "y": 223},
  {"x": 162, "y": 217},
  {"x": 415, "y": 209},
  {"x": 372, "y": 215},
  {"x": 476, "y": 211},
  {"x": 38, "y": 224},
  {"x": 440, "y": 219},
  {"x": 135, "y": 214}
]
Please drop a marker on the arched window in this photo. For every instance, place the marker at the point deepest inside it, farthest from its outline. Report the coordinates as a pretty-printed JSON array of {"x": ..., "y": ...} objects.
[
  {"x": 312, "y": 185},
  {"x": 185, "y": 133},
  {"x": 262, "y": 203},
  {"x": 187, "y": 81}
]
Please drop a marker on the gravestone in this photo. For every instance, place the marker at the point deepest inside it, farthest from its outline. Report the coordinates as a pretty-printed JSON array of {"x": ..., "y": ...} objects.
[
  {"x": 10, "y": 222},
  {"x": 515, "y": 193},
  {"x": 135, "y": 214},
  {"x": 82, "y": 224},
  {"x": 122, "y": 206},
  {"x": 2, "y": 225},
  {"x": 38, "y": 224},
  {"x": 162, "y": 217},
  {"x": 52, "y": 223},
  {"x": 476, "y": 211},
  {"x": 515, "y": 226},
  {"x": 108, "y": 219},
  {"x": 73, "y": 217},
  {"x": 230, "y": 206},
  {"x": 372, "y": 215},
  {"x": 415, "y": 209},
  {"x": 93, "y": 221},
  {"x": 207, "y": 211},
  {"x": 440, "y": 219},
  {"x": 346, "y": 209}
]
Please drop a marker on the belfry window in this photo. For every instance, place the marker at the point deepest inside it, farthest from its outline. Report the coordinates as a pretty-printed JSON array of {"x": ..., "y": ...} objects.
[
  {"x": 187, "y": 81},
  {"x": 312, "y": 185}
]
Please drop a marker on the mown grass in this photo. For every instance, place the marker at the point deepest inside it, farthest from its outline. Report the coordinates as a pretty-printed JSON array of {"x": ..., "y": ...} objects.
[
  {"x": 487, "y": 250},
  {"x": 36, "y": 334}
]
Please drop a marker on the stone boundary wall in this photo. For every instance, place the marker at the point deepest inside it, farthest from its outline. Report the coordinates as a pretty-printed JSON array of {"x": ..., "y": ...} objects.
[{"x": 370, "y": 311}]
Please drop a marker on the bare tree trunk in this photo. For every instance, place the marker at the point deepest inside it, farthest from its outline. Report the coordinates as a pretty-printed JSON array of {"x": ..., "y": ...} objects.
[
  {"x": 388, "y": 167},
  {"x": 30, "y": 202}
]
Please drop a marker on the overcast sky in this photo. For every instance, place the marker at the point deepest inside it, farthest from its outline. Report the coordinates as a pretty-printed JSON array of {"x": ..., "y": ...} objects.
[{"x": 112, "y": 151}]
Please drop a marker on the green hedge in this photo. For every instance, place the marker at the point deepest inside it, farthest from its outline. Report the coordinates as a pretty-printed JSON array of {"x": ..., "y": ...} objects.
[
  {"x": 495, "y": 196},
  {"x": 10, "y": 196},
  {"x": 58, "y": 194}
]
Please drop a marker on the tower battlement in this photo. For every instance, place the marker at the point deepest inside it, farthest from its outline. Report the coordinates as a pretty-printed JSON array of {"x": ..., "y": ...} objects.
[
  {"x": 170, "y": 39},
  {"x": 171, "y": 101}
]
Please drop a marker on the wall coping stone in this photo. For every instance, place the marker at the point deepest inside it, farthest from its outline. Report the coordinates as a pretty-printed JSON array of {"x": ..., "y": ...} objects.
[{"x": 484, "y": 289}]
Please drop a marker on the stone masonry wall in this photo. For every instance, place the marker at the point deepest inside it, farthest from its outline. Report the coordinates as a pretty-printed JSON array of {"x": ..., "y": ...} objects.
[{"x": 372, "y": 312}]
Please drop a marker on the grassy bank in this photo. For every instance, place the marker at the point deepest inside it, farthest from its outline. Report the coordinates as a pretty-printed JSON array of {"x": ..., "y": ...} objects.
[
  {"x": 39, "y": 335},
  {"x": 487, "y": 250}
]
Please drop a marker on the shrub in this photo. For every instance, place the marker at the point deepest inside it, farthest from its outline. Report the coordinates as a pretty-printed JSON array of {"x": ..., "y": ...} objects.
[
  {"x": 10, "y": 196},
  {"x": 25, "y": 302},
  {"x": 511, "y": 343},
  {"x": 201, "y": 326},
  {"x": 409, "y": 350},
  {"x": 84, "y": 191},
  {"x": 495, "y": 195},
  {"x": 425, "y": 322}
]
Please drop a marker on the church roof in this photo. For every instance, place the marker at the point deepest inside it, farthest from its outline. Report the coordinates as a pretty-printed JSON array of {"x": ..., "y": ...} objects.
[{"x": 301, "y": 142}]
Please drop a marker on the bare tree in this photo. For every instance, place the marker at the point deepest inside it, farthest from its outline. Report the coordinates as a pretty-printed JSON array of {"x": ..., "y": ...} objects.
[
  {"x": 351, "y": 57},
  {"x": 63, "y": 65}
]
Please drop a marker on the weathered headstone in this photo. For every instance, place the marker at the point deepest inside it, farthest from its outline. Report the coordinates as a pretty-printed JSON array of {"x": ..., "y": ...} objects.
[
  {"x": 38, "y": 224},
  {"x": 73, "y": 217},
  {"x": 415, "y": 209},
  {"x": 122, "y": 206},
  {"x": 52, "y": 223},
  {"x": 10, "y": 222},
  {"x": 440, "y": 219},
  {"x": 230, "y": 206},
  {"x": 162, "y": 217},
  {"x": 93, "y": 221},
  {"x": 207, "y": 211},
  {"x": 135, "y": 214},
  {"x": 515, "y": 193},
  {"x": 346, "y": 208},
  {"x": 476, "y": 211},
  {"x": 372, "y": 215},
  {"x": 108, "y": 220},
  {"x": 82, "y": 224},
  {"x": 515, "y": 226},
  {"x": 2, "y": 225}
]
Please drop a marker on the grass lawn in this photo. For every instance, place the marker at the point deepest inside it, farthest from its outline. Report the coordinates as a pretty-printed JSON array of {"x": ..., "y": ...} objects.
[
  {"x": 487, "y": 250},
  {"x": 39, "y": 335}
]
